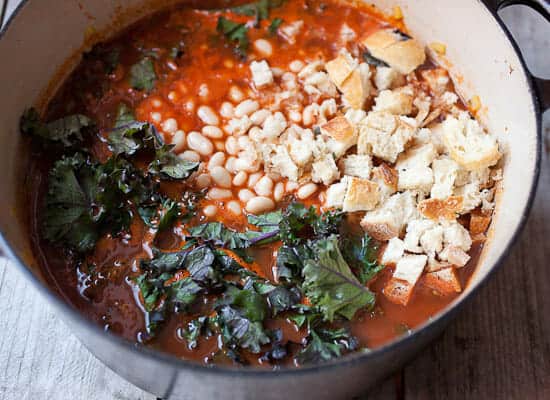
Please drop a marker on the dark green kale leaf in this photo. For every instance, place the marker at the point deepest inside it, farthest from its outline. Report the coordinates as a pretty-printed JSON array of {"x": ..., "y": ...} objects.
[
  {"x": 290, "y": 261},
  {"x": 183, "y": 292},
  {"x": 142, "y": 75},
  {"x": 361, "y": 253},
  {"x": 235, "y": 33},
  {"x": 330, "y": 284},
  {"x": 259, "y": 9},
  {"x": 325, "y": 344},
  {"x": 67, "y": 130},
  {"x": 238, "y": 331},
  {"x": 124, "y": 116},
  {"x": 279, "y": 298},
  {"x": 200, "y": 264},
  {"x": 274, "y": 26},
  {"x": 151, "y": 289},
  {"x": 219, "y": 235},
  {"x": 160, "y": 216},
  {"x": 169, "y": 166}
]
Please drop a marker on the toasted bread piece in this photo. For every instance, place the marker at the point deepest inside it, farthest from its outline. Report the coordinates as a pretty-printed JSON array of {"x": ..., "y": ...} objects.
[
  {"x": 341, "y": 68},
  {"x": 339, "y": 129},
  {"x": 388, "y": 220},
  {"x": 437, "y": 208},
  {"x": 445, "y": 173},
  {"x": 407, "y": 272},
  {"x": 398, "y": 291},
  {"x": 444, "y": 281},
  {"x": 324, "y": 170},
  {"x": 356, "y": 88},
  {"x": 455, "y": 256},
  {"x": 393, "y": 252},
  {"x": 335, "y": 194},
  {"x": 388, "y": 78},
  {"x": 468, "y": 144},
  {"x": 413, "y": 168},
  {"x": 261, "y": 73},
  {"x": 398, "y": 101},
  {"x": 361, "y": 195},
  {"x": 386, "y": 177},
  {"x": 479, "y": 223},
  {"x": 358, "y": 165},
  {"x": 437, "y": 79},
  {"x": 424, "y": 236},
  {"x": 399, "y": 51}
]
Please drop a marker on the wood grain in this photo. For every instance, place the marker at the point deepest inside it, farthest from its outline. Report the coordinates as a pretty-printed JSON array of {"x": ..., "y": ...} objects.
[{"x": 498, "y": 348}]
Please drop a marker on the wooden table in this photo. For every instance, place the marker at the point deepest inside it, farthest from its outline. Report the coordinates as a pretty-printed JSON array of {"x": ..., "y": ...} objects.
[{"x": 498, "y": 348}]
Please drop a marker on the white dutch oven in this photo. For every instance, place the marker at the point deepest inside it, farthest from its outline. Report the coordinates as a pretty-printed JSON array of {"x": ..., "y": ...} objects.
[{"x": 42, "y": 35}]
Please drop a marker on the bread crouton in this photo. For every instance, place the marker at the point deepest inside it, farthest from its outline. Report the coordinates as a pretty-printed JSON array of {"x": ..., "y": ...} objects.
[
  {"x": 387, "y": 78},
  {"x": 455, "y": 256},
  {"x": 335, "y": 194},
  {"x": 398, "y": 101},
  {"x": 413, "y": 168},
  {"x": 261, "y": 73},
  {"x": 445, "y": 173},
  {"x": 289, "y": 31},
  {"x": 445, "y": 281},
  {"x": 386, "y": 178},
  {"x": 340, "y": 68},
  {"x": 468, "y": 144},
  {"x": 393, "y": 252},
  {"x": 384, "y": 135},
  {"x": 339, "y": 129},
  {"x": 281, "y": 163},
  {"x": 456, "y": 235},
  {"x": 361, "y": 195},
  {"x": 357, "y": 87},
  {"x": 471, "y": 195},
  {"x": 479, "y": 223},
  {"x": 407, "y": 272},
  {"x": 358, "y": 165},
  {"x": 388, "y": 220},
  {"x": 437, "y": 79},
  {"x": 448, "y": 208},
  {"x": 423, "y": 236},
  {"x": 396, "y": 49},
  {"x": 273, "y": 126},
  {"x": 324, "y": 170}
]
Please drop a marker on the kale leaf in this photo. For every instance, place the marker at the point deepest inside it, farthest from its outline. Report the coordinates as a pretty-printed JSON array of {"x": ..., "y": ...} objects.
[
  {"x": 142, "y": 75},
  {"x": 325, "y": 344},
  {"x": 330, "y": 284},
  {"x": 361, "y": 254},
  {"x": 236, "y": 33},
  {"x": 169, "y": 166},
  {"x": 219, "y": 235},
  {"x": 274, "y": 26},
  {"x": 67, "y": 130}
]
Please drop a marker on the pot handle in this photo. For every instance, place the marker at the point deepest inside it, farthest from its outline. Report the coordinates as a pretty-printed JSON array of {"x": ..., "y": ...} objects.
[{"x": 542, "y": 86}]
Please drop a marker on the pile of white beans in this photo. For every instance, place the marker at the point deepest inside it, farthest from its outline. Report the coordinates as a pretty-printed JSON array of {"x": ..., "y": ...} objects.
[{"x": 233, "y": 180}]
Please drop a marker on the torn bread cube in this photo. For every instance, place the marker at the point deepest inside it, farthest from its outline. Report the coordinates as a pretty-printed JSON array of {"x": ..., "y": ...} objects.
[
  {"x": 437, "y": 79},
  {"x": 357, "y": 88},
  {"x": 324, "y": 170},
  {"x": 398, "y": 101},
  {"x": 456, "y": 235},
  {"x": 416, "y": 229},
  {"x": 407, "y": 272},
  {"x": 334, "y": 196},
  {"x": 384, "y": 135},
  {"x": 436, "y": 209},
  {"x": 358, "y": 165},
  {"x": 468, "y": 144},
  {"x": 389, "y": 219},
  {"x": 413, "y": 168},
  {"x": 386, "y": 177},
  {"x": 454, "y": 256},
  {"x": 393, "y": 252},
  {"x": 340, "y": 69},
  {"x": 290, "y": 31},
  {"x": 396, "y": 49},
  {"x": 261, "y": 73},
  {"x": 387, "y": 78},
  {"x": 445, "y": 173},
  {"x": 361, "y": 195},
  {"x": 479, "y": 223},
  {"x": 273, "y": 126},
  {"x": 342, "y": 135},
  {"x": 281, "y": 163},
  {"x": 444, "y": 281}
]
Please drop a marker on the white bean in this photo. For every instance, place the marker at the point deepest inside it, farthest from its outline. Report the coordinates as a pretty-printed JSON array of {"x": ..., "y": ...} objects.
[
  {"x": 295, "y": 116},
  {"x": 259, "y": 204},
  {"x": 203, "y": 181},
  {"x": 190, "y": 155},
  {"x": 208, "y": 116},
  {"x": 200, "y": 144},
  {"x": 244, "y": 142},
  {"x": 170, "y": 125},
  {"x": 263, "y": 47},
  {"x": 235, "y": 94},
  {"x": 279, "y": 191},
  {"x": 255, "y": 133},
  {"x": 178, "y": 140},
  {"x": 296, "y": 66},
  {"x": 259, "y": 116},
  {"x": 217, "y": 160},
  {"x": 212, "y": 132},
  {"x": 227, "y": 110},
  {"x": 245, "y": 195},
  {"x": 308, "y": 115},
  {"x": 253, "y": 179},
  {"x": 210, "y": 210},
  {"x": 219, "y": 194},
  {"x": 221, "y": 177},
  {"x": 264, "y": 187},
  {"x": 156, "y": 116},
  {"x": 230, "y": 164},
  {"x": 203, "y": 90},
  {"x": 306, "y": 191},
  {"x": 156, "y": 103},
  {"x": 240, "y": 178},
  {"x": 234, "y": 207},
  {"x": 190, "y": 105},
  {"x": 246, "y": 107},
  {"x": 231, "y": 145},
  {"x": 242, "y": 164}
]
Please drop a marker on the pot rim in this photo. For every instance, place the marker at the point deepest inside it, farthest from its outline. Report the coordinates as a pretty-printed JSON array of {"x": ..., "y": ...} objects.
[{"x": 443, "y": 317}]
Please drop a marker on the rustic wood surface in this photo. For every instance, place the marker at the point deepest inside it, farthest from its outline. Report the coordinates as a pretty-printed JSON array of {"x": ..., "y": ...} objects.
[{"x": 498, "y": 348}]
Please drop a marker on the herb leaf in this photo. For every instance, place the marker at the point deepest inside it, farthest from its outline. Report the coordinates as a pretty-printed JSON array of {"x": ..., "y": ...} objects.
[
  {"x": 361, "y": 255},
  {"x": 168, "y": 165},
  {"x": 66, "y": 130},
  {"x": 330, "y": 285},
  {"x": 142, "y": 75},
  {"x": 274, "y": 26},
  {"x": 234, "y": 32},
  {"x": 326, "y": 344}
]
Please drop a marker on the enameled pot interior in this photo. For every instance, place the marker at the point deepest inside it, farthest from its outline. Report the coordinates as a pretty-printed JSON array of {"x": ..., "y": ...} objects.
[{"x": 41, "y": 42}]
